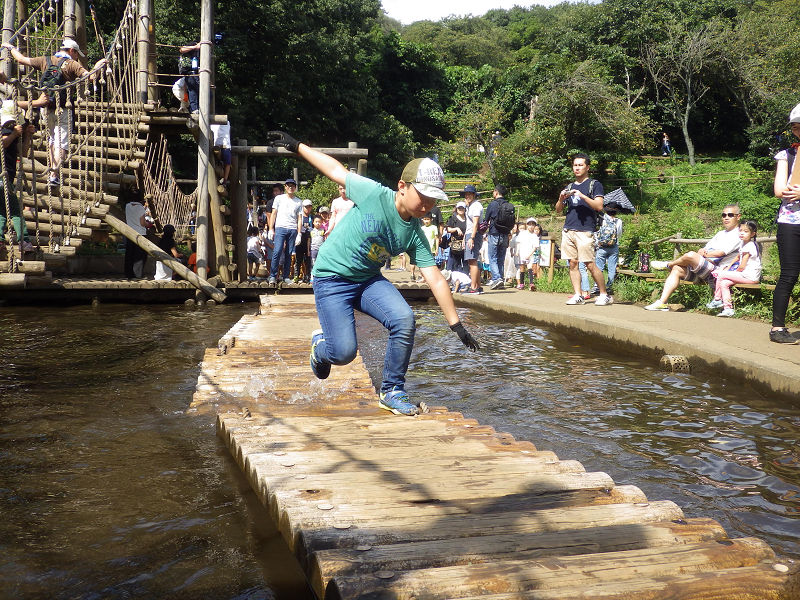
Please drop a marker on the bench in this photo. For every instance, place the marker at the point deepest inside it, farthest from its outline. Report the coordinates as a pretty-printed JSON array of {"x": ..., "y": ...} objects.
[{"x": 654, "y": 278}]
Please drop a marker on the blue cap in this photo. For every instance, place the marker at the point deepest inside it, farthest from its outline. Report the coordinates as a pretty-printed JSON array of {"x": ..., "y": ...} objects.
[
  {"x": 468, "y": 188},
  {"x": 290, "y": 180}
]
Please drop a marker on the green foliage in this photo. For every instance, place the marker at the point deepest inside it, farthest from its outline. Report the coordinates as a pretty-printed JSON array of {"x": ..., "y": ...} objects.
[{"x": 321, "y": 191}]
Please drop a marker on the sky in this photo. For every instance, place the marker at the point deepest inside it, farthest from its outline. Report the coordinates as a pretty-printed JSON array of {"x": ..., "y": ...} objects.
[{"x": 408, "y": 11}]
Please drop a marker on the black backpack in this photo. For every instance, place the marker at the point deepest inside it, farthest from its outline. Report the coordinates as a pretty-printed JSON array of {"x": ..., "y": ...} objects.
[
  {"x": 506, "y": 217},
  {"x": 53, "y": 76}
]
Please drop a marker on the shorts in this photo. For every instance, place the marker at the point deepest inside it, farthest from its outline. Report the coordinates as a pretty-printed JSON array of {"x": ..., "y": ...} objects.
[
  {"x": 59, "y": 130},
  {"x": 225, "y": 155},
  {"x": 705, "y": 272},
  {"x": 577, "y": 245},
  {"x": 252, "y": 257},
  {"x": 476, "y": 249}
]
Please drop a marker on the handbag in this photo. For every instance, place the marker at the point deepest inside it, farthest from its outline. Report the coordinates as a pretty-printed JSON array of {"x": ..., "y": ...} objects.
[
  {"x": 456, "y": 244},
  {"x": 483, "y": 226}
]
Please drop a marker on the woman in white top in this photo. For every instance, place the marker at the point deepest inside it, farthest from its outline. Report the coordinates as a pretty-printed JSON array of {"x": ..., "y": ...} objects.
[{"x": 747, "y": 269}]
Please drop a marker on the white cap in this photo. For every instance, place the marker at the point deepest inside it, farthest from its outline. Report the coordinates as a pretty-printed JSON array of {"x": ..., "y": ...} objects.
[
  {"x": 427, "y": 178},
  {"x": 794, "y": 116},
  {"x": 531, "y": 220},
  {"x": 446, "y": 274},
  {"x": 7, "y": 112},
  {"x": 323, "y": 209},
  {"x": 70, "y": 44},
  {"x": 308, "y": 203},
  {"x": 461, "y": 204}
]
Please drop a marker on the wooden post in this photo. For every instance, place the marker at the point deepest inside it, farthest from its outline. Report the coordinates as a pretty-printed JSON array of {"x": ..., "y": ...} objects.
[
  {"x": 552, "y": 270},
  {"x": 239, "y": 212},
  {"x": 157, "y": 253},
  {"x": 69, "y": 19},
  {"x": 80, "y": 25},
  {"x": 217, "y": 222},
  {"x": 362, "y": 167},
  {"x": 203, "y": 147},
  {"x": 9, "y": 12},
  {"x": 143, "y": 49}
]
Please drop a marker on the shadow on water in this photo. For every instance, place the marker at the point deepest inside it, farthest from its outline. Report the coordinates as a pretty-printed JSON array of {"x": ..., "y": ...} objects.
[
  {"x": 107, "y": 488},
  {"x": 718, "y": 450}
]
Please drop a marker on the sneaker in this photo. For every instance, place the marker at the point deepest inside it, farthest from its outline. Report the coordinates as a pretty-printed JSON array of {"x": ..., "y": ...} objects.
[
  {"x": 497, "y": 284},
  {"x": 471, "y": 291},
  {"x": 53, "y": 181},
  {"x": 726, "y": 312},
  {"x": 714, "y": 304},
  {"x": 609, "y": 290},
  {"x": 521, "y": 286},
  {"x": 595, "y": 291},
  {"x": 273, "y": 281},
  {"x": 782, "y": 336},
  {"x": 397, "y": 402},
  {"x": 288, "y": 280},
  {"x": 576, "y": 299},
  {"x": 659, "y": 265},
  {"x": 587, "y": 296},
  {"x": 657, "y": 306},
  {"x": 321, "y": 368},
  {"x": 604, "y": 300}
]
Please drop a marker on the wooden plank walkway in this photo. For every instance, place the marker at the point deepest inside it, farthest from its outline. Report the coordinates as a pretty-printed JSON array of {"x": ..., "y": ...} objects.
[{"x": 438, "y": 506}]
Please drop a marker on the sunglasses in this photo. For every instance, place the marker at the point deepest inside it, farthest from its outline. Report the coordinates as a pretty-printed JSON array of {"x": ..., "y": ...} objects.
[{"x": 731, "y": 215}]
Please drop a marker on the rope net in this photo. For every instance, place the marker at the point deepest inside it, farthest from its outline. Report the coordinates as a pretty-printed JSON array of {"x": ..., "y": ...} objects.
[{"x": 90, "y": 141}]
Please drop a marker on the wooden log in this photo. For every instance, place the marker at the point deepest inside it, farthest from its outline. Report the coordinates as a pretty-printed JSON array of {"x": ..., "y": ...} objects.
[
  {"x": 761, "y": 582},
  {"x": 73, "y": 213},
  {"x": 32, "y": 267},
  {"x": 276, "y": 151},
  {"x": 14, "y": 281},
  {"x": 159, "y": 254},
  {"x": 221, "y": 259},
  {"x": 448, "y": 552},
  {"x": 553, "y": 573}
]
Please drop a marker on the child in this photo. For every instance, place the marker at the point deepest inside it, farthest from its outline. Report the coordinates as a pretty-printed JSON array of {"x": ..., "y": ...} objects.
[
  {"x": 747, "y": 269},
  {"x": 255, "y": 254},
  {"x": 527, "y": 247},
  {"x": 317, "y": 237},
  {"x": 347, "y": 273},
  {"x": 431, "y": 233},
  {"x": 458, "y": 281},
  {"x": 510, "y": 264},
  {"x": 536, "y": 257}
]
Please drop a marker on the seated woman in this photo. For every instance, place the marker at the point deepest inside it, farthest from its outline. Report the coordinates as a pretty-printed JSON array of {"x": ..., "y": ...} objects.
[
  {"x": 167, "y": 244},
  {"x": 747, "y": 269}
]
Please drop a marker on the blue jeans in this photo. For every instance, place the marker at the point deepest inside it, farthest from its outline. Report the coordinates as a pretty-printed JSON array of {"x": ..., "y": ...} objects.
[
  {"x": 603, "y": 256},
  {"x": 284, "y": 248},
  {"x": 336, "y": 298},
  {"x": 193, "y": 91},
  {"x": 498, "y": 244}
]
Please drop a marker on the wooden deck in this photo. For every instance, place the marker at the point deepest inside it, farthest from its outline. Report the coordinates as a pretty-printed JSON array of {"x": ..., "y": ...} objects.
[{"x": 438, "y": 506}]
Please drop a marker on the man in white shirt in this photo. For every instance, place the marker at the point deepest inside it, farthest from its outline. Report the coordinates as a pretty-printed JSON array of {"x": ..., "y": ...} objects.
[
  {"x": 285, "y": 223},
  {"x": 720, "y": 252},
  {"x": 222, "y": 140},
  {"x": 135, "y": 257}
]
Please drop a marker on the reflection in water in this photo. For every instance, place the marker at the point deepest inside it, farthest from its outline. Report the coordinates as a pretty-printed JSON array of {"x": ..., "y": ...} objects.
[
  {"x": 718, "y": 450},
  {"x": 107, "y": 488}
]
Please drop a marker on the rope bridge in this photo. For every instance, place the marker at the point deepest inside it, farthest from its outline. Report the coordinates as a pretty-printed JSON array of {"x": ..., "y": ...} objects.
[{"x": 90, "y": 143}]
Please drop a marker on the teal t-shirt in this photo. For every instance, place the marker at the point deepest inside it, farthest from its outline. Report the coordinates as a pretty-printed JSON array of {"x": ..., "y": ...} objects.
[{"x": 372, "y": 232}]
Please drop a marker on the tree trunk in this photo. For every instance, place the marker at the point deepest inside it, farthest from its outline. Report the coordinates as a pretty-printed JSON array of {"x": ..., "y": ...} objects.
[{"x": 686, "y": 137}]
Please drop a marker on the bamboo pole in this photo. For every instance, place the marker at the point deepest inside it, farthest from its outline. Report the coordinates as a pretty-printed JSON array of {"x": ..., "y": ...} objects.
[
  {"x": 69, "y": 19},
  {"x": 157, "y": 253},
  {"x": 275, "y": 151}
]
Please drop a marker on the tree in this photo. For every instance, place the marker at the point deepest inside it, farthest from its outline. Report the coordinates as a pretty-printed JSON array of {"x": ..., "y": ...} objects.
[
  {"x": 679, "y": 66},
  {"x": 477, "y": 122}
]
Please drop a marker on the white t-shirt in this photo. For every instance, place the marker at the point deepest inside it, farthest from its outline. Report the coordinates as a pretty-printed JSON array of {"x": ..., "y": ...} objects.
[
  {"x": 163, "y": 272},
  {"x": 339, "y": 208},
  {"x": 134, "y": 211},
  {"x": 287, "y": 209},
  {"x": 431, "y": 234},
  {"x": 752, "y": 270},
  {"x": 222, "y": 135},
  {"x": 473, "y": 210},
  {"x": 526, "y": 243},
  {"x": 729, "y": 243},
  {"x": 254, "y": 246}
]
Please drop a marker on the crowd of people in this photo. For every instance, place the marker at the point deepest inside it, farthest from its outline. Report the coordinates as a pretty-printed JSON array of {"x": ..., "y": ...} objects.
[{"x": 285, "y": 233}]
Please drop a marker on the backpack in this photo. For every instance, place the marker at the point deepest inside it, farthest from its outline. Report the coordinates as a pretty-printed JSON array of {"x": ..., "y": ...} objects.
[
  {"x": 607, "y": 233},
  {"x": 506, "y": 217},
  {"x": 53, "y": 76}
]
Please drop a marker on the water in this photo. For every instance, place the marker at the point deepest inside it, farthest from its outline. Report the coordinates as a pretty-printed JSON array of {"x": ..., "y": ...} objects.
[
  {"x": 109, "y": 490},
  {"x": 717, "y": 449}
]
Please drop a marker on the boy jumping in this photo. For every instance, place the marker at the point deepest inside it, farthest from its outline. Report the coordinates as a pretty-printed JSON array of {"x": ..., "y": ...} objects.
[{"x": 347, "y": 272}]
